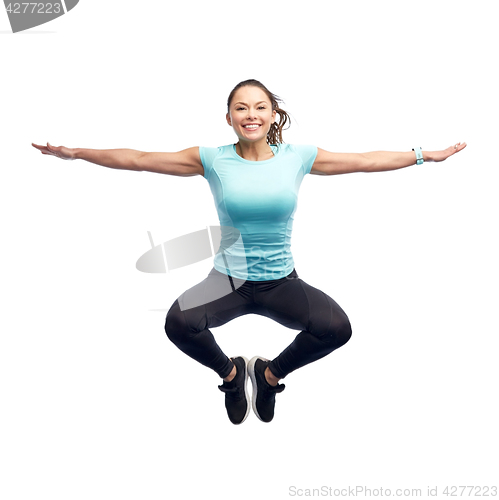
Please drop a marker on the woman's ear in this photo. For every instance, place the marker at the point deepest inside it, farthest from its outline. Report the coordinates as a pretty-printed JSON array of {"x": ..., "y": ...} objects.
[
  {"x": 227, "y": 116},
  {"x": 273, "y": 115}
]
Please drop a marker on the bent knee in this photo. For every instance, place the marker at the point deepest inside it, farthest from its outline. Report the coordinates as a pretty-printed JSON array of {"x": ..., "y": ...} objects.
[
  {"x": 339, "y": 332},
  {"x": 344, "y": 332},
  {"x": 175, "y": 324}
]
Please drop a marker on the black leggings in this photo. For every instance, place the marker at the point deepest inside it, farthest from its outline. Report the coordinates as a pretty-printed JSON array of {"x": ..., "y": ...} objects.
[{"x": 289, "y": 301}]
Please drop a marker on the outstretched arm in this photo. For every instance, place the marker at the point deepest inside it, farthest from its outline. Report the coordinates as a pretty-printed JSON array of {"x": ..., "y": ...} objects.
[
  {"x": 183, "y": 163},
  {"x": 327, "y": 163}
]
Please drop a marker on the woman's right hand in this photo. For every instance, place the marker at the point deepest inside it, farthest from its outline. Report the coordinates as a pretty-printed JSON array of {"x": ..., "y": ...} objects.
[{"x": 59, "y": 151}]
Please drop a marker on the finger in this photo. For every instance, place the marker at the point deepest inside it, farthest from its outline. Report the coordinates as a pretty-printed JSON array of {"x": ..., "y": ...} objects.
[
  {"x": 53, "y": 149},
  {"x": 42, "y": 149}
]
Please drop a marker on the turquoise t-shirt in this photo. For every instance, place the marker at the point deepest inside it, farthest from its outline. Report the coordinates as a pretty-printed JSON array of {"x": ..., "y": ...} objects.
[{"x": 256, "y": 202}]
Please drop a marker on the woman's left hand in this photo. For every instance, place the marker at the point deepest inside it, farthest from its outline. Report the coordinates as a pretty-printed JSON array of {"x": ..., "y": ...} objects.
[{"x": 444, "y": 154}]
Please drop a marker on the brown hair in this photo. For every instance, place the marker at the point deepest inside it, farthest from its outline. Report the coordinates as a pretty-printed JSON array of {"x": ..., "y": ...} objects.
[{"x": 274, "y": 135}]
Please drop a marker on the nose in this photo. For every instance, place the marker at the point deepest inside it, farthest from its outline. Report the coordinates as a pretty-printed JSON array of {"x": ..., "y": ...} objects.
[{"x": 251, "y": 114}]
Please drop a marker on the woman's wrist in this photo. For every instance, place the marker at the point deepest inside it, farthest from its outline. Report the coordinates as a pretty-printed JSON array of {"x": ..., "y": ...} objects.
[{"x": 427, "y": 156}]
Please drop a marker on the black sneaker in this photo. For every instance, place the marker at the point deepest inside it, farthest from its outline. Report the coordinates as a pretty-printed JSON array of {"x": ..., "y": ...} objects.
[
  {"x": 236, "y": 392},
  {"x": 263, "y": 393}
]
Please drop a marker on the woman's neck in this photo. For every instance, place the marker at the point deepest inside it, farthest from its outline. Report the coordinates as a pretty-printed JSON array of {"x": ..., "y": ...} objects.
[{"x": 254, "y": 151}]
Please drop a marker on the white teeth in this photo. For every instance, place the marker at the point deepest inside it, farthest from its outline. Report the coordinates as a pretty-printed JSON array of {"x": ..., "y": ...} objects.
[{"x": 251, "y": 126}]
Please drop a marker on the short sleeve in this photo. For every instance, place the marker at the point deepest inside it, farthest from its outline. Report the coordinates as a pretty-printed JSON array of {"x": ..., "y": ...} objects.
[
  {"x": 308, "y": 154},
  {"x": 208, "y": 156}
]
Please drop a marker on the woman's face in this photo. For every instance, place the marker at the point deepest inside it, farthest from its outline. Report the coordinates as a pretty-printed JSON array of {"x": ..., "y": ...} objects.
[{"x": 250, "y": 114}]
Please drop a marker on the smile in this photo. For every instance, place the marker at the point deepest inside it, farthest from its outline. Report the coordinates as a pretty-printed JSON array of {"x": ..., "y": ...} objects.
[{"x": 252, "y": 126}]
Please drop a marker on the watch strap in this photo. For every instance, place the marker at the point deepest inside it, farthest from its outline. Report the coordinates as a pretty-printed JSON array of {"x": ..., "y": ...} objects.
[{"x": 419, "y": 155}]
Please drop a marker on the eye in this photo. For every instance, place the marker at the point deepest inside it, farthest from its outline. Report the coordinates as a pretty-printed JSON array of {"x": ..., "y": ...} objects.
[{"x": 240, "y": 108}]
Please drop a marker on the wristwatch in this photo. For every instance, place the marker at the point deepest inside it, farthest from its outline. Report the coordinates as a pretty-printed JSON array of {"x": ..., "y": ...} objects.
[{"x": 419, "y": 156}]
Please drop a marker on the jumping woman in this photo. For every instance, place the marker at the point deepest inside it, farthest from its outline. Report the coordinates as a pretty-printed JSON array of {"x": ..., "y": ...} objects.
[{"x": 255, "y": 185}]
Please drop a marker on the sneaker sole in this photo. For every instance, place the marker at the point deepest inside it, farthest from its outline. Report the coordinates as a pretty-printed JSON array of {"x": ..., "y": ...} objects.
[
  {"x": 245, "y": 389},
  {"x": 251, "y": 370}
]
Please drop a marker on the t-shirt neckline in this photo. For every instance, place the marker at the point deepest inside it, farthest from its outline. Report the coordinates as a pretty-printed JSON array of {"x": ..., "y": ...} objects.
[{"x": 274, "y": 148}]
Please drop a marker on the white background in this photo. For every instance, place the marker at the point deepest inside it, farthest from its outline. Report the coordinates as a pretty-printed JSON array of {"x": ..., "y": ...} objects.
[{"x": 97, "y": 402}]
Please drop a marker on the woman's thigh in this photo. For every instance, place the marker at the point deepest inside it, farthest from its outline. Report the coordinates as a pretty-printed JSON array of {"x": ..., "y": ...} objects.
[
  {"x": 215, "y": 301},
  {"x": 297, "y": 305}
]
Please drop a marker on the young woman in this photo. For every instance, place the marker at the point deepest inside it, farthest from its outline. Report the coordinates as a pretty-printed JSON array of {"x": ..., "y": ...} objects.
[{"x": 255, "y": 185}]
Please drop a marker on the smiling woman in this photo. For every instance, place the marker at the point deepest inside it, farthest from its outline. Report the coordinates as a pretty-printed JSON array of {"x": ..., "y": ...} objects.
[
  {"x": 268, "y": 108},
  {"x": 255, "y": 185}
]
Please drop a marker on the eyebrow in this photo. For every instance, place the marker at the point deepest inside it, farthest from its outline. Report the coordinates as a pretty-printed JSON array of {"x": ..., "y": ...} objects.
[{"x": 259, "y": 102}]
